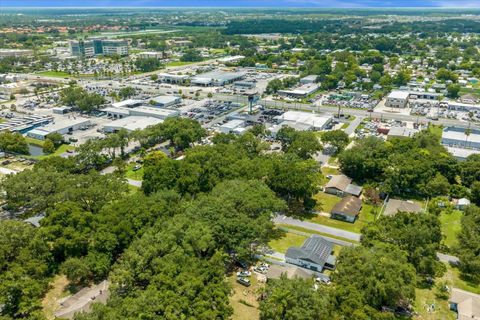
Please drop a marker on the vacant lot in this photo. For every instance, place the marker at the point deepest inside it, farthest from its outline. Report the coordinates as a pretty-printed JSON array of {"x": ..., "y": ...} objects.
[{"x": 244, "y": 299}]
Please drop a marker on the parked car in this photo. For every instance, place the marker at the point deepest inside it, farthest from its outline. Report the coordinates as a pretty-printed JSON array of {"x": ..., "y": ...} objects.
[
  {"x": 137, "y": 167},
  {"x": 244, "y": 273},
  {"x": 244, "y": 281}
]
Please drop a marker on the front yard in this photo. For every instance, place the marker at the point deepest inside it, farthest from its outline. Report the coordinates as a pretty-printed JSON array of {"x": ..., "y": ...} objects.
[{"x": 451, "y": 226}]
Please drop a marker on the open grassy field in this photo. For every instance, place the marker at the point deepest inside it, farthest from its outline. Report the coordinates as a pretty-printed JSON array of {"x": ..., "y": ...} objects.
[
  {"x": 325, "y": 201},
  {"x": 58, "y": 74},
  {"x": 436, "y": 130},
  {"x": 450, "y": 226}
]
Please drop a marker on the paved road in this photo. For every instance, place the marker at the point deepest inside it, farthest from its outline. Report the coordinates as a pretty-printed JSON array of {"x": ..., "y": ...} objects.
[
  {"x": 353, "y": 125},
  {"x": 281, "y": 219},
  {"x": 334, "y": 240},
  {"x": 447, "y": 258},
  {"x": 131, "y": 182}
]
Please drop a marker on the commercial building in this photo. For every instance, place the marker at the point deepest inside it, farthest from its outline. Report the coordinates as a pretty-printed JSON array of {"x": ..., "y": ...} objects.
[
  {"x": 25, "y": 123},
  {"x": 61, "y": 110},
  {"x": 93, "y": 47},
  {"x": 315, "y": 254},
  {"x": 217, "y": 78},
  {"x": 309, "y": 79},
  {"x": 401, "y": 132},
  {"x": 244, "y": 84},
  {"x": 173, "y": 78},
  {"x": 142, "y": 111},
  {"x": 459, "y": 138},
  {"x": 231, "y": 59},
  {"x": 129, "y": 103},
  {"x": 304, "y": 120},
  {"x": 131, "y": 124},
  {"x": 397, "y": 99},
  {"x": 63, "y": 126},
  {"x": 150, "y": 54},
  {"x": 165, "y": 101},
  {"x": 462, "y": 154},
  {"x": 15, "y": 53},
  {"x": 300, "y": 92},
  {"x": 232, "y": 126}
]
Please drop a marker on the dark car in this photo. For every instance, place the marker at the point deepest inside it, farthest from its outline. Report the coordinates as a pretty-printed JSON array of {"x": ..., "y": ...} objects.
[{"x": 244, "y": 281}]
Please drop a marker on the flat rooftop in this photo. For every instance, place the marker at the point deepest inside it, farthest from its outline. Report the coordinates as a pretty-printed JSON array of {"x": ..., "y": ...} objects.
[
  {"x": 398, "y": 94},
  {"x": 458, "y": 134},
  {"x": 133, "y": 123}
]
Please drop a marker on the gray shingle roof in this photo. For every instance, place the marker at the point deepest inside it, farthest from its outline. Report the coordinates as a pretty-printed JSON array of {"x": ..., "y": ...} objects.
[{"x": 315, "y": 249}]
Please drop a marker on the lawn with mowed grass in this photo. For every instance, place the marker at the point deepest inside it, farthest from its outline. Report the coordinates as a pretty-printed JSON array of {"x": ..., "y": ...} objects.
[
  {"x": 57, "y": 74},
  {"x": 288, "y": 240},
  {"x": 325, "y": 201},
  {"x": 291, "y": 228},
  {"x": 451, "y": 226},
  {"x": 134, "y": 175},
  {"x": 436, "y": 130}
]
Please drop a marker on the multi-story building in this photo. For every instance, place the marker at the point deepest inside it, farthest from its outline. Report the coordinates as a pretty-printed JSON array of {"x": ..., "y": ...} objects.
[{"x": 93, "y": 47}]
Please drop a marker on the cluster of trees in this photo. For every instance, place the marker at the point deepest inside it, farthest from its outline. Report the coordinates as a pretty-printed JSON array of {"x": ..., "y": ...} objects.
[
  {"x": 148, "y": 64},
  {"x": 191, "y": 55},
  {"x": 415, "y": 166},
  {"x": 291, "y": 177},
  {"x": 78, "y": 97},
  {"x": 469, "y": 244},
  {"x": 278, "y": 84},
  {"x": 13, "y": 142}
]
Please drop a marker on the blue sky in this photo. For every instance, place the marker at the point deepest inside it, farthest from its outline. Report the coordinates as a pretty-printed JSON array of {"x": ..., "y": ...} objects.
[{"x": 247, "y": 3}]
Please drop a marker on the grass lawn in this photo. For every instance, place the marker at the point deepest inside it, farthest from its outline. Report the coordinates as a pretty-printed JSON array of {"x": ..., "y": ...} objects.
[
  {"x": 59, "y": 74},
  {"x": 288, "y": 240},
  {"x": 427, "y": 297},
  {"x": 452, "y": 276},
  {"x": 325, "y": 201},
  {"x": 134, "y": 175},
  {"x": 327, "y": 170},
  {"x": 178, "y": 63},
  {"x": 2, "y": 120},
  {"x": 57, "y": 291},
  {"x": 450, "y": 226},
  {"x": 217, "y": 51},
  {"x": 34, "y": 141},
  {"x": 244, "y": 299}
]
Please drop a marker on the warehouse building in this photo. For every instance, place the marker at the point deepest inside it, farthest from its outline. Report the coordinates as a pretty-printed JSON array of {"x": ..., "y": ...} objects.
[
  {"x": 143, "y": 111},
  {"x": 63, "y": 126},
  {"x": 458, "y": 137},
  {"x": 217, "y": 78},
  {"x": 131, "y": 124},
  {"x": 304, "y": 120},
  {"x": 300, "y": 92},
  {"x": 165, "y": 101},
  {"x": 15, "y": 53},
  {"x": 129, "y": 103},
  {"x": 173, "y": 78},
  {"x": 233, "y": 126}
]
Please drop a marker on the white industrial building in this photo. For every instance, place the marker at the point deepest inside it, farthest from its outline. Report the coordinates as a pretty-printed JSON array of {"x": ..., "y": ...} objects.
[
  {"x": 309, "y": 79},
  {"x": 397, "y": 99},
  {"x": 233, "y": 126},
  {"x": 145, "y": 111},
  {"x": 131, "y": 124},
  {"x": 173, "y": 78},
  {"x": 457, "y": 137},
  {"x": 217, "y": 78},
  {"x": 129, "y": 103},
  {"x": 63, "y": 126},
  {"x": 304, "y": 120},
  {"x": 401, "y": 132},
  {"x": 300, "y": 92},
  {"x": 165, "y": 101},
  {"x": 231, "y": 59}
]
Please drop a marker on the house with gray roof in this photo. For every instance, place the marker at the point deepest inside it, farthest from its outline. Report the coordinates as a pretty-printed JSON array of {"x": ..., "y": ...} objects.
[
  {"x": 315, "y": 254},
  {"x": 347, "y": 209},
  {"x": 341, "y": 185}
]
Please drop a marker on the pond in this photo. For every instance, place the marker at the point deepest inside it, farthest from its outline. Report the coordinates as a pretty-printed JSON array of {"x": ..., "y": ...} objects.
[{"x": 35, "y": 150}]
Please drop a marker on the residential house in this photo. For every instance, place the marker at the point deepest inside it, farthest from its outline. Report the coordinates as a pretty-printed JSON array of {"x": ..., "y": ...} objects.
[
  {"x": 465, "y": 304},
  {"x": 341, "y": 185},
  {"x": 291, "y": 272},
  {"x": 315, "y": 254},
  {"x": 347, "y": 209},
  {"x": 393, "y": 206}
]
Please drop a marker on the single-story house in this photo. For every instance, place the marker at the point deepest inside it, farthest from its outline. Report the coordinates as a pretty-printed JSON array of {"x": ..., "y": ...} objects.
[
  {"x": 347, "y": 209},
  {"x": 341, "y": 185},
  {"x": 465, "y": 304},
  {"x": 394, "y": 205},
  {"x": 315, "y": 254},
  {"x": 291, "y": 272}
]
